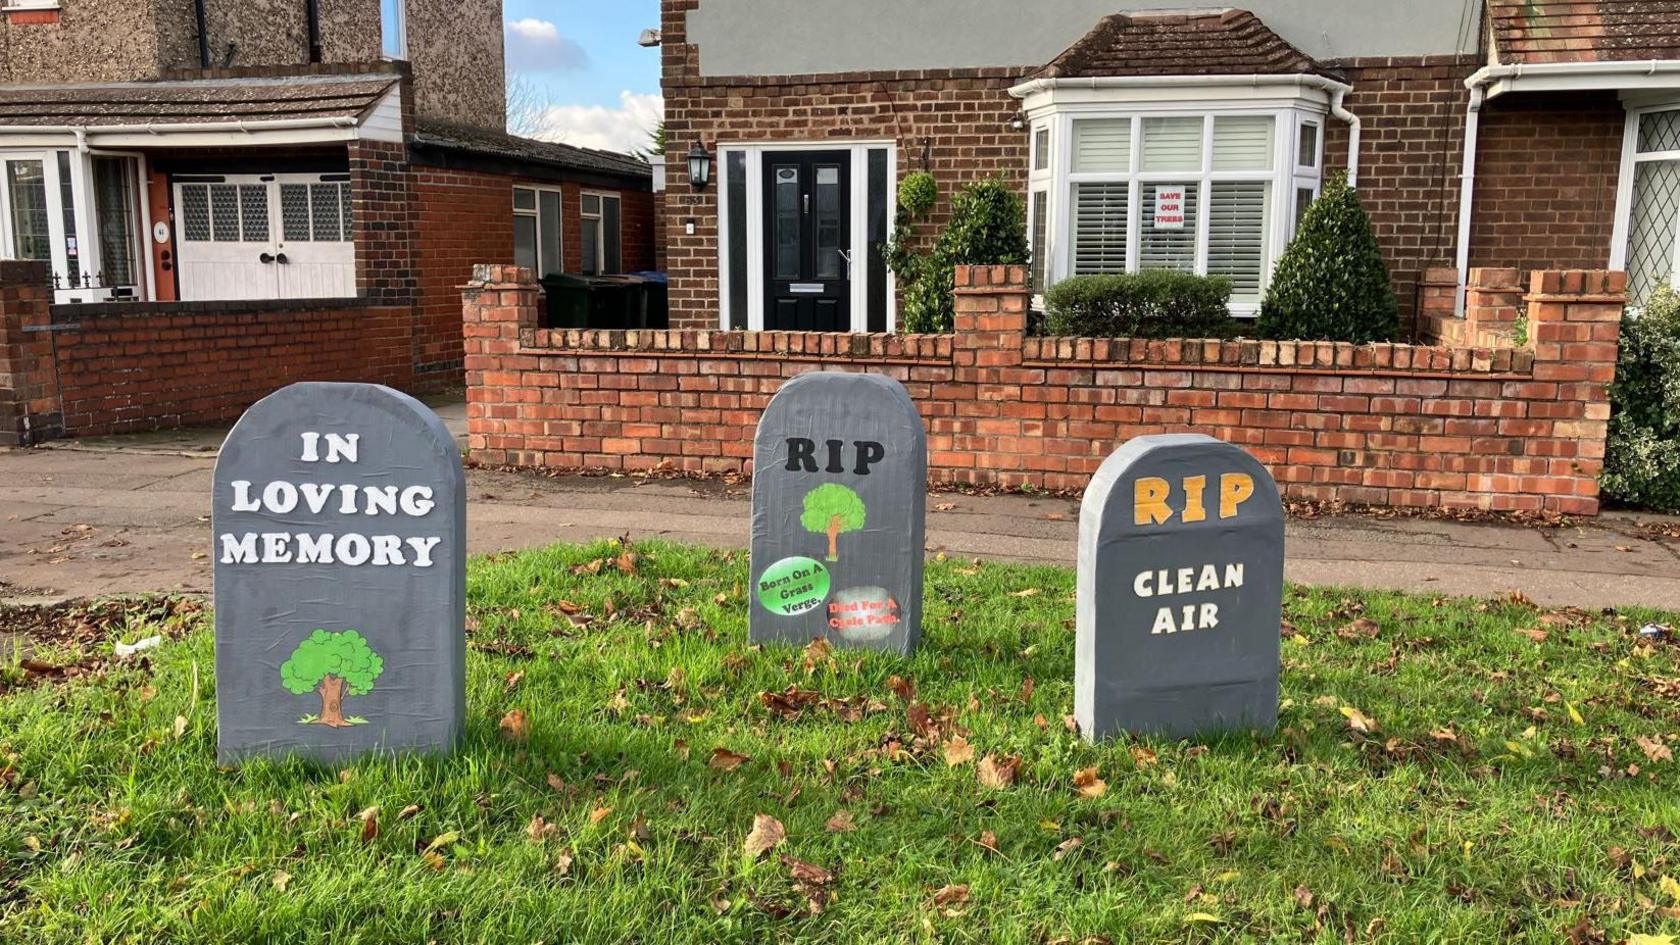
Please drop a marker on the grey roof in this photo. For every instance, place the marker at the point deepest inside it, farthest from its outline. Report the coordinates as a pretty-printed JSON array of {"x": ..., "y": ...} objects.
[
  {"x": 193, "y": 100},
  {"x": 500, "y": 144}
]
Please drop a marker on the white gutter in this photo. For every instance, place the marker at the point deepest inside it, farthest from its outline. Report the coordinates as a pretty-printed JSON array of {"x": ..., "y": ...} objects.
[
  {"x": 1336, "y": 90},
  {"x": 1466, "y": 193},
  {"x": 161, "y": 128},
  {"x": 1488, "y": 75}
]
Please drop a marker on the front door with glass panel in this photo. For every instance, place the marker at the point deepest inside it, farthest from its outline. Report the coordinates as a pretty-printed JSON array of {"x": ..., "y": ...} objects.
[
  {"x": 268, "y": 236},
  {"x": 807, "y": 240}
]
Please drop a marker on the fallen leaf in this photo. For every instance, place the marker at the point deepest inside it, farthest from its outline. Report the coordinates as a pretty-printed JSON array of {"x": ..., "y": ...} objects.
[
  {"x": 1067, "y": 846},
  {"x": 1654, "y": 749},
  {"x": 944, "y": 506},
  {"x": 556, "y": 782},
  {"x": 180, "y": 725},
  {"x": 841, "y": 822},
  {"x": 809, "y": 873},
  {"x": 958, "y": 752},
  {"x": 1143, "y": 757},
  {"x": 626, "y": 562},
  {"x": 1206, "y": 918},
  {"x": 599, "y": 813},
  {"x": 514, "y": 726},
  {"x": 1670, "y": 887},
  {"x": 563, "y": 862},
  {"x": 1362, "y": 628},
  {"x": 725, "y": 760},
  {"x": 1087, "y": 784},
  {"x": 998, "y": 773},
  {"x": 1535, "y": 634},
  {"x": 1028, "y": 592},
  {"x": 953, "y": 894},
  {"x": 767, "y": 833},
  {"x": 281, "y": 880},
  {"x": 539, "y": 829},
  {"x": 1303, "y": 897},
  {"x": 442, "y": 840},
  {"x": 408, "y": 811},
  {"x": 1359, "y": 721},
  {"x": 988, "y": 840},
  {"x": 1639, "y": 938}
]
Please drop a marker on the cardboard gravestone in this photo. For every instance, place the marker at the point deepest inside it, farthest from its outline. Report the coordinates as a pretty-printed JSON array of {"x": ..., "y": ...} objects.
[
  {"x": 1180, "y": 595},
  {"x": 839, "y": 514},
  {"x": 339, "y": 542}
]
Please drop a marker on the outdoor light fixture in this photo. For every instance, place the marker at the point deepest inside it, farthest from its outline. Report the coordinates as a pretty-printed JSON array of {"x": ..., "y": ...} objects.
[
  {"x": 699, "y": 166},
  {"x": 650, "y": 39},
  {"x": 1018, "y": 121}
]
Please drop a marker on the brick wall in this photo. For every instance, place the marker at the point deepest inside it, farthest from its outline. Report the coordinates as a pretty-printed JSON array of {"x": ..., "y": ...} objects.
[
  {"x": 1499, "y": 428},
  {"x": 385, "y": 220},
  {"x": 1411, "y": 113},
  {"x": 465, "y": 216},
  {"x": 1546, "y": 170},
  {"x": 126, "y": 367}
]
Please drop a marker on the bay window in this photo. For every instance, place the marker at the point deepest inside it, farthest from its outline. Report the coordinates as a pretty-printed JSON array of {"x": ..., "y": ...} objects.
[
  {"x": 1649, "y": 219},
  {"x": 1211, "y": 190}
]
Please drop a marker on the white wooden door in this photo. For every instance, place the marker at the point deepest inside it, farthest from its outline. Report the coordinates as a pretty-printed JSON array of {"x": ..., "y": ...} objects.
[
  {"x": 224, "y": 245},
  {"x": 269, "y": 236},
  {"x": 316, "y": 248}
]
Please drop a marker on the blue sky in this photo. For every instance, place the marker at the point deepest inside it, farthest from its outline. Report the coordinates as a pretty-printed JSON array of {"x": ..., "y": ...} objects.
[{"x": 579, "y": 58}]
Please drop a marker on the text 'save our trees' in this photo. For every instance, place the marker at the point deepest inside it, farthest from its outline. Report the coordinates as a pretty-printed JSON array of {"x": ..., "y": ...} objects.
[
  {"x": 838, "y": 513},
  {"x": 339, "y": 543},
  {"x": 1180, "y": 597}
]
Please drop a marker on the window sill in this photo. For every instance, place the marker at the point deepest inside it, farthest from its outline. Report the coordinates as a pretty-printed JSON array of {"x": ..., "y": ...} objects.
[{"x": 31, "y": 16}]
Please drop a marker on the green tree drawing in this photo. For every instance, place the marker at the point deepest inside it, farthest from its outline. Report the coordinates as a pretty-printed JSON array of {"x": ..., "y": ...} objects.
[
  {"x": 334, "y": 665},
  {"x": 833, "y": 508}
]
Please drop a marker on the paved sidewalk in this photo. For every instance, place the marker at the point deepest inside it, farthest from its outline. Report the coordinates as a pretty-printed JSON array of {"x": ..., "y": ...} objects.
[{"x": 131, "y": 514}]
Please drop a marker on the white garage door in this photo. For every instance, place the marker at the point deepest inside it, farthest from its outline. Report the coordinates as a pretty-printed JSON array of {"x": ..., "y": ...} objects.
[{"x": 264, "y": 236}]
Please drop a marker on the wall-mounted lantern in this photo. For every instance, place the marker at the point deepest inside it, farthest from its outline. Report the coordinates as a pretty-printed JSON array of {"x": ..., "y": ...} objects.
[{"x": 699, "y": 166}]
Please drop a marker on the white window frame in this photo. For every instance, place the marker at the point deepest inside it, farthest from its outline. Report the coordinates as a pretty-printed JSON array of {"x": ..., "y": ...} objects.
[
  {"x": 83, "y": 213},
  {"x": 1291, "y": 107},
  {"x": 1631, "y": 157},
  {"x": 535, "y": 213},
  {"x": 397, "y": 24},
  {"x": 754, "y": 151},
  {"x": 29, "y": 4},
  {"x": 599, "y": 222}
]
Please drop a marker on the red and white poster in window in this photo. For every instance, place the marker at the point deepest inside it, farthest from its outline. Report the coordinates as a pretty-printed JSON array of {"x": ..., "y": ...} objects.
[{"x": 1169, "y": 207}]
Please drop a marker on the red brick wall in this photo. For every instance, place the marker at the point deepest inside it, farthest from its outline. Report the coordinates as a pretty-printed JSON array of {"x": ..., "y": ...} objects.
[
  {"x": 466, "y": 216},
  {"x": 29, "y": 409},
  {"x": 1546, "y": 170},
  {"x": 125, "y": 367},
  {"x": 385, "y": 221},
  {"x": 1394, "y": 424},
  {"x": 1411, "y": 113}
]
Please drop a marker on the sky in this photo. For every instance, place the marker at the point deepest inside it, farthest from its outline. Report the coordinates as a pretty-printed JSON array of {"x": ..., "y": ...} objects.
[{"x": 578, "y": 62}]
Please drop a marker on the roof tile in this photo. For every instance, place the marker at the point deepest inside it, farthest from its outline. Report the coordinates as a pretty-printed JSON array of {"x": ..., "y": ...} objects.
[
  {"x": 1223, "y": 42},
  {"x": 1529, "y": 31}
]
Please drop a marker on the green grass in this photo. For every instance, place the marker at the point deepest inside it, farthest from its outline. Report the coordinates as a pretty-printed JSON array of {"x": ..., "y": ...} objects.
[{"x": 117, "y": 826}]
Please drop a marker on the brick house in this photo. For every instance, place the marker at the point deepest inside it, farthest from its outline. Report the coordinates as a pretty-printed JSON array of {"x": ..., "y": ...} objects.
[
  {"x": 1493, "y": 135},
  {"x": 168, "y": 157}
]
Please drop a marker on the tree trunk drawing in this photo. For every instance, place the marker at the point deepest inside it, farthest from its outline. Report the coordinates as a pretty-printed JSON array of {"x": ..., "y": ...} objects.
[
  {"x": 833, "y": 537},
  {"x": 332, "y": 702}
]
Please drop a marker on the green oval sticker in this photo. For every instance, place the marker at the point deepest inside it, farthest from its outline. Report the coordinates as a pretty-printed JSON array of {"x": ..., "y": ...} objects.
[{"x": 793, "y": 586}]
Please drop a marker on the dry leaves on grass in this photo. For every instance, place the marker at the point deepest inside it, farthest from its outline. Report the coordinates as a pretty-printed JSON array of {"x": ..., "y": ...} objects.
[
  {"x": 954, "y": 894},
  {"x": 1535, "y": 634},
  {"x": 998, "y": 773},
  {"x": 1087, "y": 784},
  {"x": 515, "y": 727},
  {"x": 725, "y": 760},
  {"x": 958, "y": 752},
  {"x": 1359, "y": 721},
  {"x": 539, "y": 829},
  {"x": 767, "y": 834},
  {"x": 841, "y": 822},
  {"x": 1654, "y": 749},
  {"x": 1363, "y": 628}
]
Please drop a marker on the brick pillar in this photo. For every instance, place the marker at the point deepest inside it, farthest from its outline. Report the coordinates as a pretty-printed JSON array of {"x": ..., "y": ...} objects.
[
  {"x": 31, "y": 410},
  {"x": 1493, "y": 299},
  {"x": 498, "y": 317},
  {"x": 1574, "y": 325},
  {"x": 384, "y": 221},
  {"x": 1437, "y": 318},
  {"x": 996, "y": 426}
]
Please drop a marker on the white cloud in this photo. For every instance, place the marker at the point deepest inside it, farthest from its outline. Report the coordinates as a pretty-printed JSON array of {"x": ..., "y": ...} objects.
[
  {"x": 629, "y": 127},
  {"x": 534, "y": 45}
]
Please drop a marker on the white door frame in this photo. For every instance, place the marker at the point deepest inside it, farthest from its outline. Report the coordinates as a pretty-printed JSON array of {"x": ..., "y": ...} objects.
[{"x": 754, "y": 150}]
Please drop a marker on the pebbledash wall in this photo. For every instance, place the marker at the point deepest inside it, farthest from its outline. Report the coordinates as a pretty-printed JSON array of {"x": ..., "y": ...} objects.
[
  {"x": 123, "y": 367},
  {"x": 1490, "y": 426}
]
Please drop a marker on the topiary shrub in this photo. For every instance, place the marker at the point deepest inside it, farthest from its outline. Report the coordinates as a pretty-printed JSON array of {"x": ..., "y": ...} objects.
[
  {"x": 1154, "y": 303},
  {"x": 988, "y": 227},
  {"x": 1331, "y": 284},
  {"x": 917, "y": 193},
  {"x": 1642, "y": 459}
]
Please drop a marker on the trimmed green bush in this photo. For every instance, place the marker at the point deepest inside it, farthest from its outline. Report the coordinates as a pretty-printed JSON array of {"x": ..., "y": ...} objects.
[
  {"x": 1331, "y": 283},
  {"x": 917, "y": 193},
  {"x": 1154, "y": 303},
  {"x": 1642, "y": 459},
  {"x": 988, "y": 227}
]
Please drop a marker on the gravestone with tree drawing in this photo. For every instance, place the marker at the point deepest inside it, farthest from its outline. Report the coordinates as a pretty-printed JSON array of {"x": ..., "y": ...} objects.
[
  {"x": 1180, "y": 591},
  {"x": 339, "y": 539},
  {"x": 839, "y": 508}
]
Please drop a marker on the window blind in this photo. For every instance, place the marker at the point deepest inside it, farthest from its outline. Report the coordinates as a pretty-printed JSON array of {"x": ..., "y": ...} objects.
[
  {"x": 1237, "y": 236},
  {"x": 1103, "y": 145},
  {"x": 1242, "y": 143},
  {"x": 1099, "y": 228},
  {"x": 1172, "y": 144}
]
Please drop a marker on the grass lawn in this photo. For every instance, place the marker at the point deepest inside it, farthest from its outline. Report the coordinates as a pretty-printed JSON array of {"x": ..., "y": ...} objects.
[{"x": 1514, "y": 783}]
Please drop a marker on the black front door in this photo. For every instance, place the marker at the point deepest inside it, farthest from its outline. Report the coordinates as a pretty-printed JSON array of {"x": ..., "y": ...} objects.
[{"x": 807, "y": 243}]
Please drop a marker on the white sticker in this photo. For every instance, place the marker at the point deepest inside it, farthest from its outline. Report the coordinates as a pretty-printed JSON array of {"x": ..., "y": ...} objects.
[{"x": 1169, "y": 208}]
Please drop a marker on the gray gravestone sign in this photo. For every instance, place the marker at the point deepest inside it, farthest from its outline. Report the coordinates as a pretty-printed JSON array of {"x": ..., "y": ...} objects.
[
  {"x": 1180, "y": 591},
  {"x": 339, "y": 541},
  {"x": 839, "y": 509}
]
